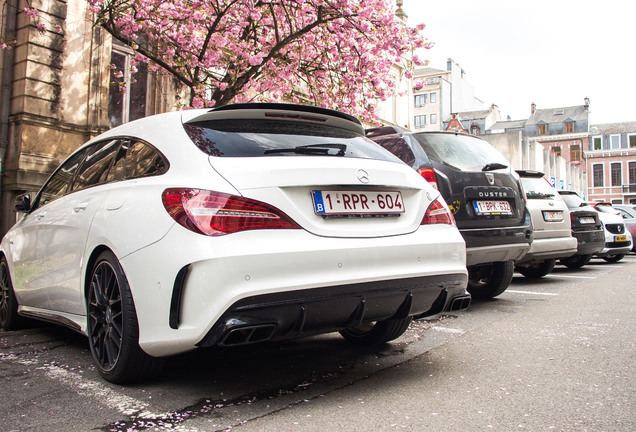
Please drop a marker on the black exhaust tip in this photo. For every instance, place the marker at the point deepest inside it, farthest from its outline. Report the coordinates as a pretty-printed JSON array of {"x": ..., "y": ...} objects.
[
  {"x": 248, "y": 334},
  {"x": 460, "y": 303}
]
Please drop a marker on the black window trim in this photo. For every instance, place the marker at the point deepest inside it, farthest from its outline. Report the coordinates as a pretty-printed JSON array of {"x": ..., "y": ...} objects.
[{"x": 85, "y": 148}]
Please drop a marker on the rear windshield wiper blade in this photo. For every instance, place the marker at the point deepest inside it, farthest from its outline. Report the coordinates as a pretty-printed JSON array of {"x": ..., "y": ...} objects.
[
  {"x": 539, "y": 195},
  {"x": 313, "y": 149},
  {"x": 493, "y": 166}
]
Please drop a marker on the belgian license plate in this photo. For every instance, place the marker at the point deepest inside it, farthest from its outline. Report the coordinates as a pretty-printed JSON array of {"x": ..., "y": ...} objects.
[
  {"x": 586, "y": 219},
  {"x": 552, "y": 216},
  {"x": 492, "y": 207},
  {"x": 339, "y": 202},
  {"x": 620, "y": 238}
]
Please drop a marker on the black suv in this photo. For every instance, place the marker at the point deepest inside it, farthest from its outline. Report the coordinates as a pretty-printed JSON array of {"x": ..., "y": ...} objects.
[
  {"x": 586, "y": 228},
  {"x": 483, "y": 192}
]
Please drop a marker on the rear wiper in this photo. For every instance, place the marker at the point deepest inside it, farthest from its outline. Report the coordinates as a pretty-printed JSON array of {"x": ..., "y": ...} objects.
[
  {"x": 493, "y": 166},
  {"x": 313, "y": 149},
  {"x": 539, "y": 195}
]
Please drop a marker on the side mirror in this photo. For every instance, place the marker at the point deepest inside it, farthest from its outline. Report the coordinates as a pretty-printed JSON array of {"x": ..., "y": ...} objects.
[{"x": 23, "y": 204}]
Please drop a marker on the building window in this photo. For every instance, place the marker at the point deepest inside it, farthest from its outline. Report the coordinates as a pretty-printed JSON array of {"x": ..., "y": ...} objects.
[
  {"x": 598, "y": 175},
  {"x": 556, "y": 150},
  {"x": 421, "y": 100},
  {"x": 632, "y": 141},
  {"x": 632, "y": 173},
  {"x": 542, "y": 129},
  {"x": 597, "y": 143},
  {"x": 433, "y": 97},
  {"x": 617, "y": 177},
  {"x": 420, "y": 121},
  {"x": 615, "y": 142},
  {"x": 575, "y": 153},
  {"x": 569, "y": 127},
  {"x": 128, "y": 91},
  {"x": 433, "y": 118}
]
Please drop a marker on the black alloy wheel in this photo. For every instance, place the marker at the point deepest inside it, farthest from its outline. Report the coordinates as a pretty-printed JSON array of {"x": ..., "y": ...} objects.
[
  {"x": 113, "y": 332},
  {"x": 576, "y": 261},
  {"x": 536, "y": 270},
  {"x": 612, "y": 258},
  {"x": 486, "y": 281},
  {"x": 9, "y": 318}
]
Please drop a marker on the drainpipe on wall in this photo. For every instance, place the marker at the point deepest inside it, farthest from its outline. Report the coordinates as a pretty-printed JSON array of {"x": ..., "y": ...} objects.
[{"x": 5, "y": 101}]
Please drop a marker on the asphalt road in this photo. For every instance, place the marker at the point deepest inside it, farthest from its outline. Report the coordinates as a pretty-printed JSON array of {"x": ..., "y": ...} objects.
[{"x": 553, "y": 354}]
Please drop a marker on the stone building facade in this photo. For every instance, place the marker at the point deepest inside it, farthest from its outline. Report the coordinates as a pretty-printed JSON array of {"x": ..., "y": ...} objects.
[
  {"x": 56, "y": 92},
  {"x": 611, "y": 163}
]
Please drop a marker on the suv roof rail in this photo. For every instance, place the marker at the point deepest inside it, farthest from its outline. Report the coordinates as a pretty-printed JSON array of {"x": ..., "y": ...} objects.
[{"x": 383, "y": 130}]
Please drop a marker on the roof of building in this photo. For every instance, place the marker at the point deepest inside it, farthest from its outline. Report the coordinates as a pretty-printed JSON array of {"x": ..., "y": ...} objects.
[
  {"x": 613, "y": 128},
  {"x": 559, "y": 115},
  {"x": 473, "y": 115},
  {"x": 427, "y": 71},
  {"x": 508, "y": 124}
]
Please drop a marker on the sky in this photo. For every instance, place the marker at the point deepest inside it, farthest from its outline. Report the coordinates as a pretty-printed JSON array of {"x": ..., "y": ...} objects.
[{"x": 550, "y": 52}]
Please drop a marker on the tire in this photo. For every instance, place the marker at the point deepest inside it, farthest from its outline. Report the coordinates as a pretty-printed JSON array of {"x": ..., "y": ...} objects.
[
  {"x": 113, "y": 331},
  {"x": 486, "y": 281},
  {"x": 9, "y": 318},
  {"x": 536, "y": 270},
  {"x": 377, "y": 333},
  {"x": 612, "y": 258},
  {"x": 576, "y": 261}
]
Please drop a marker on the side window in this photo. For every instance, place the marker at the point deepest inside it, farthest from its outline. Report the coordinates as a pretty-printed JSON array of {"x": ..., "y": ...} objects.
[
  {"x": 59, "y": 183},
  {"x": 399, "y": 148},
  {"x": 95, "y": 168},
  {"x": 143, "y": 160}
]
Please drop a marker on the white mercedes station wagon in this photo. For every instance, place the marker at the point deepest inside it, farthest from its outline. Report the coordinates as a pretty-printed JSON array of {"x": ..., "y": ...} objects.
[{"x": 230, "y": 226}]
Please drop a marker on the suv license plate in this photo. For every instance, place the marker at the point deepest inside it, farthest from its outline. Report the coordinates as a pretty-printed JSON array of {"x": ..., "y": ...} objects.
[
  {"x": 553, "y": 216},
  {"x": 620, "y": 238},
  {"x": 492, "y": 207},
  {"x": 339, "y": 202}
]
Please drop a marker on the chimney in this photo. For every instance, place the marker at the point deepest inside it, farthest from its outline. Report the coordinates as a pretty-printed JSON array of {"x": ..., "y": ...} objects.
[
  {"x": 400, "y": 12},
  {"x": 533, "y": 108}
]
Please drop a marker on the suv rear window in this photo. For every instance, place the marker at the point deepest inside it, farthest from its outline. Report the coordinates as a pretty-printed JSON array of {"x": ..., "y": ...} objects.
[
  {"x": 573, "y": 200},
  {"x": 538, "y": 188},
  {"x": 256, "y": 138},
  {"x": 461, "y": 152}
]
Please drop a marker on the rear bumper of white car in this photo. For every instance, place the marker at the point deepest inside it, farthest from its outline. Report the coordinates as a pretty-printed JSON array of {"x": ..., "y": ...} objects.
[
  {"x": 550, "y": 248},
  {"x": 247, "y": 287}
]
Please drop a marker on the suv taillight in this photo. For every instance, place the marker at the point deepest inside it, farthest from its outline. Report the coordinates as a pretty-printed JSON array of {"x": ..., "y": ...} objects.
[
  {"x": 216, "y": 213},
  {"x": 438, "y": 213},
  {"x": 429, "y": 175}
]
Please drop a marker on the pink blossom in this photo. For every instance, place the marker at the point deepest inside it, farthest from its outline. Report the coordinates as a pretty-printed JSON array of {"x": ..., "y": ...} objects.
[
  {"x": 343, "y": 63},
  {"x": 31, "y": 12}
]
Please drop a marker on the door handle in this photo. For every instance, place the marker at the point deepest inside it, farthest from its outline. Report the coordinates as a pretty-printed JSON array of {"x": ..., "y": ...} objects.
[
  {"x": 78, "y": 208},
  {"x": 40, "y": 216}
]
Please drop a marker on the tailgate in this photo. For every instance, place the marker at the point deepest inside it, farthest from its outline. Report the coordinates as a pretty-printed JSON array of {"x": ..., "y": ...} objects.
[{"x": 364, "y": 197}]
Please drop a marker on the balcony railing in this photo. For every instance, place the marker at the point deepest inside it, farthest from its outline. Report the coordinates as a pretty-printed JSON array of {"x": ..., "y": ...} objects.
[{"x": 630, "y": 188}]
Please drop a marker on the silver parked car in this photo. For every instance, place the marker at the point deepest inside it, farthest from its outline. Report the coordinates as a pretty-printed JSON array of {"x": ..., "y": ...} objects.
[{"x": 551, "y": 224}]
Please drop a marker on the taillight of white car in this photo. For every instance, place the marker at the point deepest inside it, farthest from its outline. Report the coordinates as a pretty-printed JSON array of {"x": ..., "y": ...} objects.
[
  {"x": 215, "y": 213},
  {"x": 438, "y": 213}
]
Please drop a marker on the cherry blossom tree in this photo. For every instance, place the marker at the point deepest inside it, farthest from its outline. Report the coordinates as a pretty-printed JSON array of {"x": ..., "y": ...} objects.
[{"x": 332, "y": 53}]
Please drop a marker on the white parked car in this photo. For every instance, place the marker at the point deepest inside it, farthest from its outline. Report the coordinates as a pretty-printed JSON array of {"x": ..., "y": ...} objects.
[
  {"x": 230, "y": 226},
  {"x": 551, "y": 224},
  {"x": 618, "y": 240}
]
